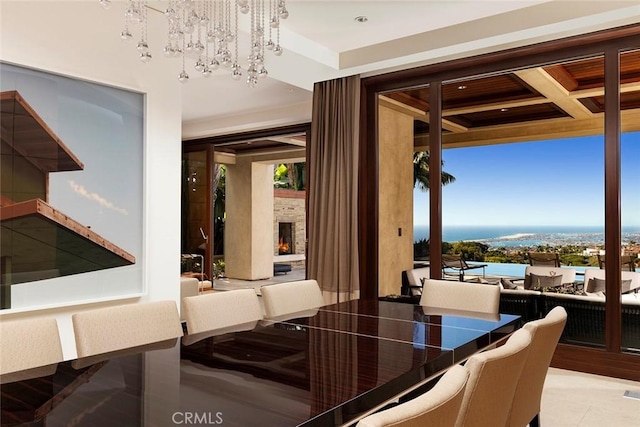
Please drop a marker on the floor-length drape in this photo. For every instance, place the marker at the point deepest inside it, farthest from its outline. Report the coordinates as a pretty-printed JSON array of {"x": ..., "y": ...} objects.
[{"x": 333, "y": 188}]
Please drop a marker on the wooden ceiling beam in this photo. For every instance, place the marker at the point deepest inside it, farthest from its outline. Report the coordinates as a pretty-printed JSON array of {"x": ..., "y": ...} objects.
[
  {"x": 546, "y": 85},
  {"x": 599, "y": 91},
  {"x": 495, "y": 106},
  {"x": 532, "y": 131}
]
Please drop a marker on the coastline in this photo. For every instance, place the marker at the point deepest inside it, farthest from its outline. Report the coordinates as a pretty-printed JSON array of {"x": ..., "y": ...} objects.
[{"x": 527, "y": 236}]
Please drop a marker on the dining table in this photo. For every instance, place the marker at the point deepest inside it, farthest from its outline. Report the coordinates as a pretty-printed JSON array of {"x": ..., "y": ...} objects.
[{"x": 329, "y": 366}]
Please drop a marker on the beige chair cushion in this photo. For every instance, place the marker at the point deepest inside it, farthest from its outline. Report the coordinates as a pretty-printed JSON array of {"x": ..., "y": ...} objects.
[
  {"x": 493, "y": 376},
  {"x": 291, "y": 297},
  {"x": 125, "y": 326},
  {"x": 27, "y": 344},
  {"x": 568, "y": 274},
  {"x": 437, "y": 407},
  {"x": 596, "y": 273},
  {"x": 446, "y": 294},
  {"x": 545, "y": 334},
  {"x": 219, "y": 310}
]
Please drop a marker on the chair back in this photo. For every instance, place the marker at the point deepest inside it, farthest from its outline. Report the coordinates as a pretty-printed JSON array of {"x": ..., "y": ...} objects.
[
  {"x": 28, "y": 343},
  {"x": 453, "y": 261},
  {"x": 568, "y": 274},
  {"x": 628, "y": 262},
  {"x": 493, "y": 376},
  {"x": 545, "y": 334},
  {"x": 550, "y": 259},
  {"x": 594, "y": 273},
  {"x": 446, "y": 294},
  {"x": 286, "y": 298},
  {"x": 189, "y": 287},
  {"x": 125, "y": 326},
  {"x": 220, "y": 310},
  {"x": 437, "y": 407},
  {"x": 415, "y": 277}
]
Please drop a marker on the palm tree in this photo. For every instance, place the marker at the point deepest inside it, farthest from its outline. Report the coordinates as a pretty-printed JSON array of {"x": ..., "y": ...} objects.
[{"x": 421, "y": 171}]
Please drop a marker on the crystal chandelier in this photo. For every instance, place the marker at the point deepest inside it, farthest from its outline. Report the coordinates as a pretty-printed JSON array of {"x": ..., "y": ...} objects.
[{"x": 207, "y": 30}]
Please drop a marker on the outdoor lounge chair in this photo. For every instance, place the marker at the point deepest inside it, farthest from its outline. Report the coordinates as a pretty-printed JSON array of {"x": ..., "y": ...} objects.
[
  {"x": 551, "y": 259},
  {"x": 458, "y": 264}
]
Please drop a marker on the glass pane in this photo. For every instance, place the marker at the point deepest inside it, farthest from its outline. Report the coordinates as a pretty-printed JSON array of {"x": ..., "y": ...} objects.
[
  {"x": 195, "y": 230},
  {"x": 630, "y": 199},
  {"x": 527, "y": 203}
]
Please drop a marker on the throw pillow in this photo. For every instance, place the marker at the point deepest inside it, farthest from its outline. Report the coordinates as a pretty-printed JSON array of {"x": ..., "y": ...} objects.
[
  {"x": 508, "y": 284},
  {"x": 596, "y": 285},
  {"x": 536, "y": 282}
]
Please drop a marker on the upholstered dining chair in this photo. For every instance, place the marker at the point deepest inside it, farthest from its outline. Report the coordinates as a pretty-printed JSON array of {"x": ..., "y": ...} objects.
[
  {"x": 449, "y": 295},
  {"x": 437, "y": 407},
  {"x": 283, "y": 299},
  {"x": 545, "y": 334},
  {"x": 221, "y": 311},
  {"x": 28, "y": 348},
  {"x": 493, "y": 376},
  {"x": 112, "y": 329}
]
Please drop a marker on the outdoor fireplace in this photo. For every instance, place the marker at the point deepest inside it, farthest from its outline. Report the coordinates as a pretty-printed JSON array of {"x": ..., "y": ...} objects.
[{"x": 285, "y": 238}]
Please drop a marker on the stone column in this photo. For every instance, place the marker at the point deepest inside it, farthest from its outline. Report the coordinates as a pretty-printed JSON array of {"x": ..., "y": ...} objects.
[
  {"x": 248, "y": 237},
  {"x": 395, "y": 227}
]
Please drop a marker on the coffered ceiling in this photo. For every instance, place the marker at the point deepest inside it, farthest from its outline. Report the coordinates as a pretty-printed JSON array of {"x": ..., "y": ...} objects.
[{"x": 552, "y": 101}]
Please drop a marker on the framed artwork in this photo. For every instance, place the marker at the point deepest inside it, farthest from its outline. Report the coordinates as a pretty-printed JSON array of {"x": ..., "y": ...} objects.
[{"x": 71, "y": 200}]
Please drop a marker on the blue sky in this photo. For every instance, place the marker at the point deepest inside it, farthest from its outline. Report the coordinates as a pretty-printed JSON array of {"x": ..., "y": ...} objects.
[{"x": 555, "y": 182}]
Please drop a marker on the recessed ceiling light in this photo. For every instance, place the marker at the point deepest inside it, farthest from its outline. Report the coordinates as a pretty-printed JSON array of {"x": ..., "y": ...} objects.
[
  {"x": 504, "y": 109},
  {"x": 361, "y": 19},
  {"x": 462, "y": 87}
]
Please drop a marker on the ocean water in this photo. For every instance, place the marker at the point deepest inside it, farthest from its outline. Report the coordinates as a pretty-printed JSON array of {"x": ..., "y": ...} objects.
[{"x": 514, "y": 236}]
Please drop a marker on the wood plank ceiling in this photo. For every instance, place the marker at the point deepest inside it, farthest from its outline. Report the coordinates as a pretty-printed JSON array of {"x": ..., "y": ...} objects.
[{"x": 547, "y": 102}]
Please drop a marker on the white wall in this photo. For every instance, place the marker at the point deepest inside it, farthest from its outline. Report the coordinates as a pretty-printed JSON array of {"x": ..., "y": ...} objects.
[{"x": 73, "y": 44}]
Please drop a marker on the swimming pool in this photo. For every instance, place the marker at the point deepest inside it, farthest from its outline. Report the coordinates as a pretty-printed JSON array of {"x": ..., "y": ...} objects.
[{"x": 516, "y": 270}]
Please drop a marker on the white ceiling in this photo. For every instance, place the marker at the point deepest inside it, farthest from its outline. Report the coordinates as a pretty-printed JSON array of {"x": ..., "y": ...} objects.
[{"x": 322, "y": 41}]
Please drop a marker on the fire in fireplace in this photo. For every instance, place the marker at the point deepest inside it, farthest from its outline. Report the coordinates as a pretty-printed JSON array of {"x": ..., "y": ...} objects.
[{"x": 285, "y": 238}]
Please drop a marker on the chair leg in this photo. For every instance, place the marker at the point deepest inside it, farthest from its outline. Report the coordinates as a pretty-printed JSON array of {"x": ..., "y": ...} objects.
[{"x": 535, "y": 422}]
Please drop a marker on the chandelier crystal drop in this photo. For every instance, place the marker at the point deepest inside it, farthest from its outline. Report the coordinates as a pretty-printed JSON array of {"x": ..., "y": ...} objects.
[{"x": 206, "y": 31}]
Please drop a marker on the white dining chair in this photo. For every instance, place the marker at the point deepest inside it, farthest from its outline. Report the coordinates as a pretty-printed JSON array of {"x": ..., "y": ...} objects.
[
  {"x": 225, "y": 309},
  {"x": 450, "y": 295},
  {"x": 545, "y": 334},
  {"x": 437, "y": 407},
  {"x": 29, "y": 348},
  {"x": 287, "y": 298},
  {"x": 493, "y": 375},
  {"x": 122, "y": 327}
]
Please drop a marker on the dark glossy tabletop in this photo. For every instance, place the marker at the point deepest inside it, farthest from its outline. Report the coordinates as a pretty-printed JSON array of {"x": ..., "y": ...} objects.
[{"x": 324, "y": 370}]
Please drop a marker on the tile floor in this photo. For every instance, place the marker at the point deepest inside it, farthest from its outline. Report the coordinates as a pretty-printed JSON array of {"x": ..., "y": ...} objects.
[{"x": 585, "y": 400}]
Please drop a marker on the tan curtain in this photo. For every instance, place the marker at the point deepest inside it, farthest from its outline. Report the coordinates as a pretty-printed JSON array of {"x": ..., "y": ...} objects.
[{"x": 333, "y": 188}]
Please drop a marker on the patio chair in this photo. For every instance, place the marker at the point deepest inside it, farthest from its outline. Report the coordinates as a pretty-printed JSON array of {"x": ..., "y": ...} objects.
[
  {"x": 627, "y": 261},
  {"x": 551, "y": 259},
  {"x": 458, "y": 264}
]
